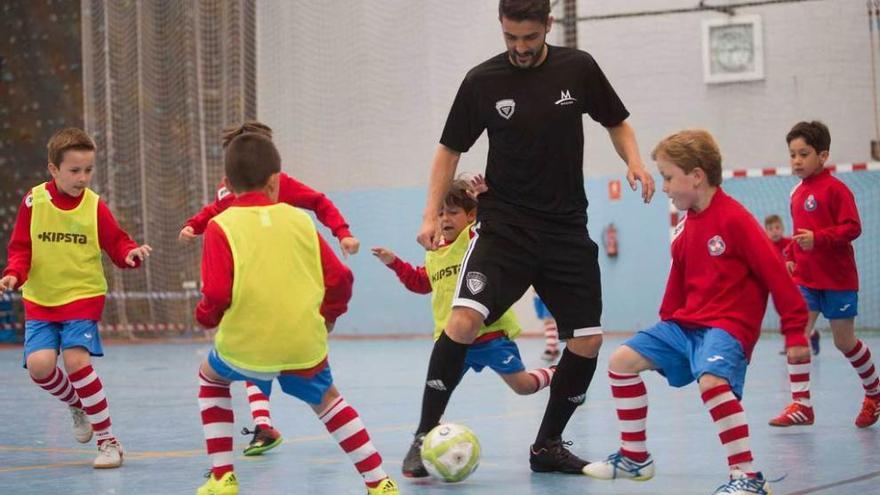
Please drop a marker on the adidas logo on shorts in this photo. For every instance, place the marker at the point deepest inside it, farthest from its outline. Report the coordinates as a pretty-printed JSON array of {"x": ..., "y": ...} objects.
[{"x": 436, "y": 385}]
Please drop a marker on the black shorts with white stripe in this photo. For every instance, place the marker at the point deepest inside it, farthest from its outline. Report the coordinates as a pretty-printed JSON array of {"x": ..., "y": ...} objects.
[{"x": 503, "y": 260}]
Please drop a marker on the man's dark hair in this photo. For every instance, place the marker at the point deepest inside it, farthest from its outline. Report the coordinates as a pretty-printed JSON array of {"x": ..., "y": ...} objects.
[
  {"x": 251, "y": 159},
  {"x": 524, "y": 10},
  {"x": 815, "y": 133}
]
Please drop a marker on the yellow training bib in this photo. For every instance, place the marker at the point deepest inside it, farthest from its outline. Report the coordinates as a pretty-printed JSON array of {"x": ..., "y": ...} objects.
[
  {"x": 65, "y": 253},
  {"x": 273, "y": 323},
  {"x": 443, "y": 266}
]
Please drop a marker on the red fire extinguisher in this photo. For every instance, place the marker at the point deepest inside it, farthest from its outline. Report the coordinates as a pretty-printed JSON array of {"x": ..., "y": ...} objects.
[{"x": 609, "y": 238}]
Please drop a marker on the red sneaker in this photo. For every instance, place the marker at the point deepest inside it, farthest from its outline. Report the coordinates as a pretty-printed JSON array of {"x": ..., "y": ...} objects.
[
  {"x": 869, "y": 413},
  {"x": 796, "y": 414}
]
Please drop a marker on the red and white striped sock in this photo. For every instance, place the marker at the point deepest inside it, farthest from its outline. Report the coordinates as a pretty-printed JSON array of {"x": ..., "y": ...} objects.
[
  {"x": 91, "y": 392},
  {"x": 259, "y": 405},
  {"x": 799, "y": 377},
  {"x": 346, "y": 427},
  {"x": 551, "y": 336},
  {"x": 730, "y": 418},
  {"x": 215, "y": 402},
  {"x": 60, "y": 387},
  {"x": 860, "y": 359},
  {"x": 542, "y": 376},
  {"x": 631, "y": 401}
]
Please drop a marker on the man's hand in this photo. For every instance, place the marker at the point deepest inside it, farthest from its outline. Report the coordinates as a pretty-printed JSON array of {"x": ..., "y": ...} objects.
[
  {"x": 385, "y": 256},
  {"x": 429, "y": 234},
  {"x": 187, "y": 235},
  {"x": 8, "y": 283},
  {"x": 798, "y": 354},
  {"x": 141, "y": 253},
  {"x": 349, "y": 245},
  {"x": 638, "y": 173},
  {"x": 805, "y": 239},
  {"x": 789, "y": 265}
]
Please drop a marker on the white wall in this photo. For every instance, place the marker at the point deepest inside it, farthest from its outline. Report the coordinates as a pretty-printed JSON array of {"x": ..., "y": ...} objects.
[
  {"x": 817, "y": 66},
  {"x": 358, "y": 91}
]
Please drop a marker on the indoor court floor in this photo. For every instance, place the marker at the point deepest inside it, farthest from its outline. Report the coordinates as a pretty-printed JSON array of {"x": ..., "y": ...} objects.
[{"x": 152, "y": 390}]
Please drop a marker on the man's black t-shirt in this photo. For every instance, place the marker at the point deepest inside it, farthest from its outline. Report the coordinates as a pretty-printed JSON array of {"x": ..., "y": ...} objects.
[{"x": 534, "y": 170}]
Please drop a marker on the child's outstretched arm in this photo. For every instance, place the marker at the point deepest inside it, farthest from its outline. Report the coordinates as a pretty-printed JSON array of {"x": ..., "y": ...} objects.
[
  {"x": 122, "y": 250},
  {"x": 295, "y": 193},
  {"x": 197, "y": 224},
  {"x": 413, "y": 278},
  {"x": 338, "y": 281},
  {"x": 19, "y": 248}
]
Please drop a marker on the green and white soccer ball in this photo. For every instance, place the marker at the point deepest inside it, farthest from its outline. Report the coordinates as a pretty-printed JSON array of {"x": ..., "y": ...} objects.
[{"x": 451, "y": 452}]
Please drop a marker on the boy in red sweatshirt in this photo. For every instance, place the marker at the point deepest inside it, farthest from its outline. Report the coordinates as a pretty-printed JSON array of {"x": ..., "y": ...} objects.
[
  {"x": 710, "y": 319},
  {"x": 273, "y": 288},
  {"x": 265, "y": 436},
  {"x": 822, "y": 262},
  {"x": 55, "y": 257}
]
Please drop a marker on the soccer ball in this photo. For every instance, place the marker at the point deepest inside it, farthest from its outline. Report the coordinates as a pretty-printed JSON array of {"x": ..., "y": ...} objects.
[{"x": 451, "y": 452}]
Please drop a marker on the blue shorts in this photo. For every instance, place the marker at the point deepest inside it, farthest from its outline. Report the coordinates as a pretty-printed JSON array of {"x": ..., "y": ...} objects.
[
  {"x": 683, "y": 356},
  {"x": 833, "y": 304},
  {"x": 39, "y": 335},
  {"x": 501, "y": 355},
  {"x": 310, "y": 390},
  {"x": 541, "y": 309}
]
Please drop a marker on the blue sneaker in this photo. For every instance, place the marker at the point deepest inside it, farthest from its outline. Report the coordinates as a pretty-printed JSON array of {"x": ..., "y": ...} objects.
[
  {"x": 618, "y": 465},
  {"x": 814, "y": 342},
  {"x": 742, "y": 484}
]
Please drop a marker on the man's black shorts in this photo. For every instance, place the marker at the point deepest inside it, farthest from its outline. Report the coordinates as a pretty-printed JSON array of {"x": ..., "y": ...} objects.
[{"x": 503, "y": 260}]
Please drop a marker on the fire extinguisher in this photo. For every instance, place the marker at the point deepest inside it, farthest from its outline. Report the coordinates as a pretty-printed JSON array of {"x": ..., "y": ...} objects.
[{"x": 609, "y": 238}]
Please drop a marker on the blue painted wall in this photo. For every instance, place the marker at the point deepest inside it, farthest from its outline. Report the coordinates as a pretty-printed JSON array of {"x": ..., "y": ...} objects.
[{"x": 632, "y": 283}]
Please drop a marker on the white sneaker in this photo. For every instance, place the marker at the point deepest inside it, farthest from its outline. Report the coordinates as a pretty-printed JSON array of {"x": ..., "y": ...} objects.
[
  {"x": 109, "y": 455},
  {"x": 82, "y": 429},
  {"x": 741, "y": 484},
  {"x": 618, "y": 465}
]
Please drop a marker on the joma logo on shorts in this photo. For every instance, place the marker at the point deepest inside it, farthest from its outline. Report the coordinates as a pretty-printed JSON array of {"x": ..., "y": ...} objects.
[
  {"x": 62, "y": 237},
  {"x": 449, "y": 271}
]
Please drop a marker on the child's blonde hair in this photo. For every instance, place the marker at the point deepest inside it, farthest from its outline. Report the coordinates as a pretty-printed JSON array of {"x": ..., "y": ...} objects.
[{"x": 690, "y": 149}]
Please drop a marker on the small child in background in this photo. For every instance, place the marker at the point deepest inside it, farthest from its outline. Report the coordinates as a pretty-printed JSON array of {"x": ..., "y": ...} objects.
[
  {"x": 551, "y": 333},
  {"x": 776, "y": 232}
]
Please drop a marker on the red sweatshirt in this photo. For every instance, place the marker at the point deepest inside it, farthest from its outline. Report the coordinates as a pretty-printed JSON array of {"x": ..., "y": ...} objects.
[
  {"x": 782, "y": 246},
  {"x": 723, "y": 265},
  {"x": 823, "y": 204},
  {"x": 413, "y": 278},
  {"x": 290, "y": 191},
  {"x": 111, "y": 238},
  {"x": 217, "y": 272}
]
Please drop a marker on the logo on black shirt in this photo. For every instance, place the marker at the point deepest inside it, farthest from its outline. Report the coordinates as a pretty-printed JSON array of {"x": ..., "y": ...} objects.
[
  {"x": 565, "y": 98},
  {"x": 62, "y": 237},
  {"x": 505, "y": 108}
]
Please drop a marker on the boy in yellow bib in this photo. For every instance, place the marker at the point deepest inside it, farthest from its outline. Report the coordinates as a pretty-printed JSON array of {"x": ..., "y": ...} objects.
[
  {"x": 494, "y": 346},
  {"x": 55, "y": 257},
  {"x": 273, "y": 288}
]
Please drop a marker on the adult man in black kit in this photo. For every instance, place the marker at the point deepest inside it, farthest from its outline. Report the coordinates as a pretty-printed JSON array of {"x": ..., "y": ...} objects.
[{"x": 532, "y": 221}]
